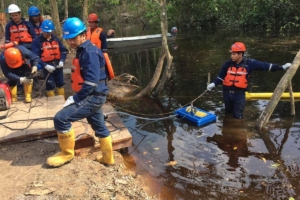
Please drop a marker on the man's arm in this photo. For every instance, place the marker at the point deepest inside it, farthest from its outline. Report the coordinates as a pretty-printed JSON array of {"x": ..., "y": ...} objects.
[{"x": 103, "y": 41}]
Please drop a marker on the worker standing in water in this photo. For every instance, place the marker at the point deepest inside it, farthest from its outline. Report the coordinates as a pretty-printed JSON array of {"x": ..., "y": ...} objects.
[
  {"x": 234, "y": 77},
  {"x": 89, "y": 82},
  {"x": 95, "y": 33}
]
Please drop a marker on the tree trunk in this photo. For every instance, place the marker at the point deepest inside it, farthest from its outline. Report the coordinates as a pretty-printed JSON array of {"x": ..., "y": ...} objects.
[
  {"x": 164, "y": 54},
  {"x": 55, "y": 18},
  {"x": 281, "y": 87},
  {"x": 66, "y": 9},
  {"x": 85, "y": 10},
  {"x": 2, "y": 5}
]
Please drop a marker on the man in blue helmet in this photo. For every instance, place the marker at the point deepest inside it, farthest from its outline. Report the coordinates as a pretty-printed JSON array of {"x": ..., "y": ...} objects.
[
  {"x": 89, "y": 82},
  {"x": 52, "y": 55},
  {"x": 35, "y": 19}
]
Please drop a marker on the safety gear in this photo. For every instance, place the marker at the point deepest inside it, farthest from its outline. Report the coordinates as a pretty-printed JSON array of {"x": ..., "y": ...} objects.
[
  {"x": 286, "y": 66},
  {"x": 69, "y": 101},
  {"x": 60, "y": 91},
  {"x": 50, "y": 68},
  {"x": 24, "y": 80},
  {"x": 13, "y": 8},
  {"x": 174, "y": 30},
  {"x": 33, "y": 69},
  {"x": 19, "y": 33},
  {"x": 210, "y": 86},
  {"x": 60, "y": 64},
  {"x": 28, "y": 91},
  {"x": 238, "y": 47},
  {"x": 66, "y": 144},
  {"x": 72, "y": 27},
  {"x": 107, "y": 152},
  {"x": 7, "y": 45},
  {"x": 13, "y": 57},
  {"x": 76, "y": 78},
  {"x": 94, "y": 36},
  {"x": 109, "y": 67},
  {"x": 237, "y": 77},
  {"x": 47, "y": 26},
  {"x": 50, "y": 51},
  {"x": 14, "y": 96},
  {"x": 50, "y": 93},
  {"x": 33, "y": 11},
  {"x": 38, "y": 31},
  {"x": 93, "y": 17}
]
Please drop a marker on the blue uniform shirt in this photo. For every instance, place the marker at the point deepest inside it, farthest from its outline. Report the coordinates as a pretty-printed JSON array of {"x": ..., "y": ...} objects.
[
  {"x": 250, "y": 65},
  {"x": 29, "y": 27},
  {"x": 37, "y": 44},
  {"x": 92, "y": 65},
  {"x": 26, "y": 54},
  {"x": 103, "y": 41}
]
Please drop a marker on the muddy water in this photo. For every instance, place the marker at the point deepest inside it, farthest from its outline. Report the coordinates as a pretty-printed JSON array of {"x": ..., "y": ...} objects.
[{"x": 227, "y": 159}]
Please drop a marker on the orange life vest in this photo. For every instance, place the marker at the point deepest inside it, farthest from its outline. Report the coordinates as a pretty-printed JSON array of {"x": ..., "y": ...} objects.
[
  {"x": 108, "y": 66},
  {"x": 76, "y": 78},
  {"x": 50, "y": 51},
  {"x": 19, "y": 33},
  {"x": 237, "y": 77},
  {"x": 95, "y": 36},
  {"x": 38, "y": 31}
]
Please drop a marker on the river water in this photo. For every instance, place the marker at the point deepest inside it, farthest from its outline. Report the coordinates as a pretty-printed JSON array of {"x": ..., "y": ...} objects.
[{"x": 227, "y": 159}]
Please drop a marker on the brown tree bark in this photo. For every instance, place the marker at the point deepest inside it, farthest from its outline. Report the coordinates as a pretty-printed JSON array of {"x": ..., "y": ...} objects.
[
  {"x": 66, "y": 9},
  {"x": 55, "y": 18},
  {"x": 281, "y": 87},
  {"x": 85, "y": 11}
]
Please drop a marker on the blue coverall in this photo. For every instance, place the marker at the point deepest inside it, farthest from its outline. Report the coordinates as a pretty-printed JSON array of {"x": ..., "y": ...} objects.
[
  {"x": 92, "y": 95},
  {"x": 14, "y": 74},
  {"x": 30, "y": 31},
  {"x": 55, "y": 79},
  {"x": 234, "y": 97}
]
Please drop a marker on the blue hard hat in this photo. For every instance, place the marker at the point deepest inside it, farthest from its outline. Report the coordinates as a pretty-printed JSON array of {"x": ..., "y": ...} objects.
[
  {"x": 33, "y": 11},
  {"x": 72, "y": 27},
  {"x": 47, "y": 26}
]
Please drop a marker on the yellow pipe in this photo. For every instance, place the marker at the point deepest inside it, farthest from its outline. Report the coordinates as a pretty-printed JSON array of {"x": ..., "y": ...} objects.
[{"x": 252, "y": 96}]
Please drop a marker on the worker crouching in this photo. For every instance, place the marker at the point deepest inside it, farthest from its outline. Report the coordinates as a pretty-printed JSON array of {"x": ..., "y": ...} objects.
[
  {"x": 17, "y": 70},
  {"x": 89, "y": 82},
  {"x": 52, "y": 55}
]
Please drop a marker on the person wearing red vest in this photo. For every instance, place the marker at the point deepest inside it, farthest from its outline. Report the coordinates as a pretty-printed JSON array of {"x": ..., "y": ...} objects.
[
  {"x": 234, "y": 77},
  {"x": 95, "y": 33},
  {"x": 52, "y": 55},
  {"x": 18, "y": 30},
  {"x": 35, "y": 19}
]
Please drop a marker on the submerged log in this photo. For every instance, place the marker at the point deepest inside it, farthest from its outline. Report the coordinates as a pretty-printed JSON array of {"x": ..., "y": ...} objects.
[{"x": 281, "y": 87}]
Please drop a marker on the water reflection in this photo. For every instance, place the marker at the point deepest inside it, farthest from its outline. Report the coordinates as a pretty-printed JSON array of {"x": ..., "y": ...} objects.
[{"x": 233, "y": 140}]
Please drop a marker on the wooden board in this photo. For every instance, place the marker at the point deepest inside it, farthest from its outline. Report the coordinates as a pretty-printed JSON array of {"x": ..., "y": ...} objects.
[{"x": 26, "y": 124}]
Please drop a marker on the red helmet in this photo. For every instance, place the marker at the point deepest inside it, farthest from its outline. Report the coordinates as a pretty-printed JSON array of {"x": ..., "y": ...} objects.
[
  {"x": 93, "y": 17},
  {"x": 13, "y": 57},
  {"x": 238, "y": 47}
]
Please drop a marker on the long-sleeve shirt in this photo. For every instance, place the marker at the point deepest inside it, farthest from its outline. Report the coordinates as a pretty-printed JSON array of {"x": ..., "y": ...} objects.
[
  {"x": 37, "y": 45},
  {"x": 11, "y": 73},
  {"x": 29, "y": 27},
  {"x": 103, "y": 41},
  {"x": 250, "y": 65},
  {"x": 92, "y": 65}
]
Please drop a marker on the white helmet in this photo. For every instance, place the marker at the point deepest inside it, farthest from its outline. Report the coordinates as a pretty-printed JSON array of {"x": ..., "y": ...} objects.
[{"x": 13, "y": 8}]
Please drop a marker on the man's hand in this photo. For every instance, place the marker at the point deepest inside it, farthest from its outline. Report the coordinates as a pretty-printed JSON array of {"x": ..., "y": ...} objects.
[
  {"x": 50, "y": 68},
  {"x": 26, "y": 80},
  {"x": 69, "y": 101},
  {"x": 60, "y": 64},
  {"x": 210, "y": 86},
  {"x": 33, "y": 69},
  {"x": 286, "y": 66}
]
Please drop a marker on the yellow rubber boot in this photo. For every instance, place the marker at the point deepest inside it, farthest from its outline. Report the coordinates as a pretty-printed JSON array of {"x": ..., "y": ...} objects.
[
  {"x": 27, "y": 91},
  {"x": 60, "y": 91},
  {"x": 107, "y": 152},
  {"x": 66, "y": 144},
  {"x": 50, "y": 93},
  {"x": 13, "y": 91}
]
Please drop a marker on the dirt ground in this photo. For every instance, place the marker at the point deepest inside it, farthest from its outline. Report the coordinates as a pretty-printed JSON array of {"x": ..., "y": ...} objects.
[{"x": 24, "y": 175}]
